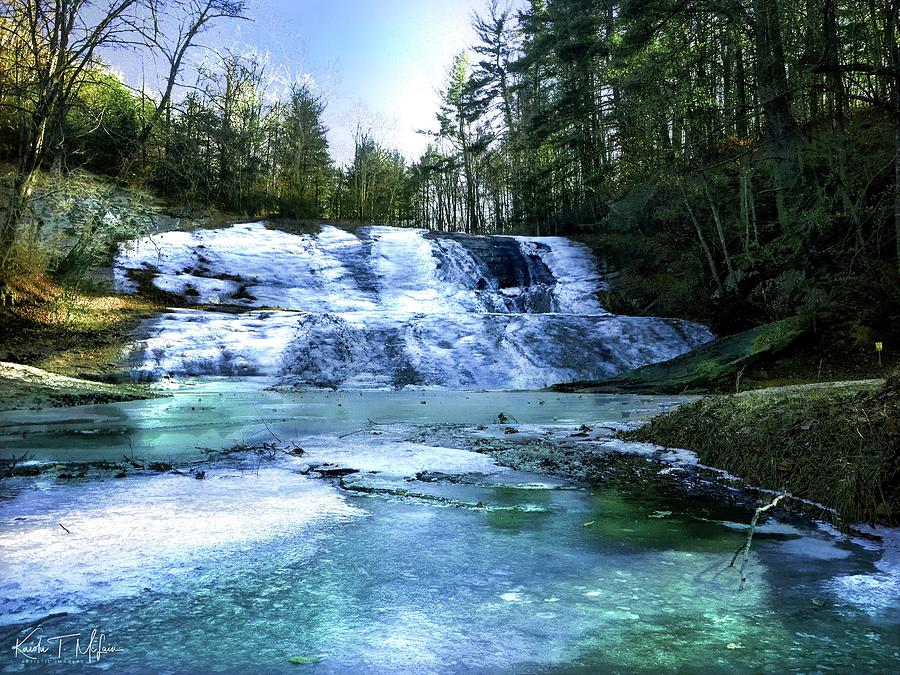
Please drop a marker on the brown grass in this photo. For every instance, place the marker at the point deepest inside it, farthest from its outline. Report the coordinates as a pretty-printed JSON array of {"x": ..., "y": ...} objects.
[{"x": 64, "y": 330}]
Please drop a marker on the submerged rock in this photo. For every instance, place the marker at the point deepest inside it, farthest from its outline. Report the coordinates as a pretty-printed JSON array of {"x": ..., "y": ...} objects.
[{"x": 303, "y": 660}]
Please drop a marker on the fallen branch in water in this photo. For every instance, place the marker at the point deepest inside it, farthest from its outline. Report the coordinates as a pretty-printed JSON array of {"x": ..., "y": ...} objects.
[
  {"x": 372, "y": 423},
  {"x": 265, "y": 424},
  {"x": 745, "y": 547}
]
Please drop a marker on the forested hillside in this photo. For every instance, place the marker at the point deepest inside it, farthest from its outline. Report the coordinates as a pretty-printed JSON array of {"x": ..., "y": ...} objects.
[
  {"x": 734, "y": 161},
  {"x": 737, "y": 161}
]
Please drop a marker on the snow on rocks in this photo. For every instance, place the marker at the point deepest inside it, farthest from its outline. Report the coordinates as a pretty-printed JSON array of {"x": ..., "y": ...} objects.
[{"x": 384, "y": 307}]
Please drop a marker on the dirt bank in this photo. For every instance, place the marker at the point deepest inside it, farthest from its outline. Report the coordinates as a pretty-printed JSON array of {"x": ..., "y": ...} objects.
[
  {"x": 66, "y": 330},
  {"x": 837, "y": 443},
  {"x": 27, "y": 388}
]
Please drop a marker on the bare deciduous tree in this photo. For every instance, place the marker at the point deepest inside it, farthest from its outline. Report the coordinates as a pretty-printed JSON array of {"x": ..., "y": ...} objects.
[
  {"x": 188, "y": 19},
  {"x": 56, "y": 43}
]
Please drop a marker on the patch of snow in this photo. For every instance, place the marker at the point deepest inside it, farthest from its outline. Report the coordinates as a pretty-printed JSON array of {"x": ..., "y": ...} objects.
[
  {"x": 211, "y": 291},
  {"x": 878, "y": 590},
  {"x": 398, "y": 459},
  {"x": 677, "y": 457}
]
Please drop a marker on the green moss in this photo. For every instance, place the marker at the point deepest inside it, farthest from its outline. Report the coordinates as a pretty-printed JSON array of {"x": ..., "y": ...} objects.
[{"x": 713, "y": 366}]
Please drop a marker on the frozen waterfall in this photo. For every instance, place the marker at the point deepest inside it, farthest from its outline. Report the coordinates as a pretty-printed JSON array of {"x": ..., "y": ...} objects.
[{"x": 383, "y": 307}]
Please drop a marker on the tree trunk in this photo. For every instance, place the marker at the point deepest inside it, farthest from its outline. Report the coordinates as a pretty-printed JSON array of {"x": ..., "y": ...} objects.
[
  {"x": 775, "y": 99},
  {"x": 832, "y": 58},
  {"x": 720, "y": 231},
  {"x": 707, "y": 252},
  {"x": 26, "y": 172},
  {"x": 743, "y": 130},
  {"x": 892, "y": 27},
  {"x": 16, "y": 206},
  {"x": 891, "y": 31}
]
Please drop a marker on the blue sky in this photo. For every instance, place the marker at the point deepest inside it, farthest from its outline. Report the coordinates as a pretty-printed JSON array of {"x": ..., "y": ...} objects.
[{"x": 383, "y": 59}]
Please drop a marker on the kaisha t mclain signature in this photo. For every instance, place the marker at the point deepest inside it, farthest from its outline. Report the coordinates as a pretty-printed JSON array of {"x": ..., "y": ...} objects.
[{"x": 68, "y": 647}]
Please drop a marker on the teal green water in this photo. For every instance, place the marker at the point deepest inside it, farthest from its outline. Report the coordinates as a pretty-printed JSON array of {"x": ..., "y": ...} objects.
[
  {"x": 214, "y": 413},
  {"x": 493, "y": 571}
]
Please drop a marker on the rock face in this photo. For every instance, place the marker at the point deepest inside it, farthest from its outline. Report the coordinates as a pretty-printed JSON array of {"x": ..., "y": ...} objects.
[
  {"x": 496, "y": 263},
  {"x": 384, "y": 307}
]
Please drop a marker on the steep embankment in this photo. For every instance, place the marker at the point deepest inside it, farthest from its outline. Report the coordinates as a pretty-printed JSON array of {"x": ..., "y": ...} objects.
[{"x": 837, "y": 444}]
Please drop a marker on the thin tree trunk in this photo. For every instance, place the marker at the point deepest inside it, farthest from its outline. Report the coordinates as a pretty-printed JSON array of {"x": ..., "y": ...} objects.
[
  {"x": 891, "y": 34},
  {"x": 720, "y": 230},
  {"x": 897, "y": 170},
  {"x": 706, "y": 249},
  {"x": 741, "y": 89},
  {"x": 774, "y": 99},
  {"x": 832, "y": 58}
]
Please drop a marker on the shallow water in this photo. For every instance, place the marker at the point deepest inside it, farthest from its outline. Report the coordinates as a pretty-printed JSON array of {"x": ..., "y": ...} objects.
[
  {"x": 473, "y": 567},
  {"x": 219, "y": 412}
]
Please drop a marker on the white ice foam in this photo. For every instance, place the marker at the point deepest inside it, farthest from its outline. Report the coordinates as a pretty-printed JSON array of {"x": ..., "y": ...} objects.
[
  {"x": 573, "y": 266},
  {"x": 137, "y": 532},
  {"x": 406, "y": 267}
]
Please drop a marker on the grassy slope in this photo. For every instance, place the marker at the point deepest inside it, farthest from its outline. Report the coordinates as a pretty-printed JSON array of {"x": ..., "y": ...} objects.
[
  {"x": 66, "y": 331},
  {"x": 837, "y": 444}
]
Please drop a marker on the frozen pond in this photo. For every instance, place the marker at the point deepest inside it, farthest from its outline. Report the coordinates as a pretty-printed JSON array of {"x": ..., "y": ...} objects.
[
  {"x": 340, "y": 495},
  {"x": 390, "y": 544}
]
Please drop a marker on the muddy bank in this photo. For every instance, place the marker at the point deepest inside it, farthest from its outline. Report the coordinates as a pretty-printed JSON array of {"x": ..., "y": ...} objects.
[
  {"x": 837, "y": 444},
  {"x": 28, "y": 388}
]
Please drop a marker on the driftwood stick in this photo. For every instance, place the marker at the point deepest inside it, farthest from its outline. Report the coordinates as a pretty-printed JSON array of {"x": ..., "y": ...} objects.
[
  {"x": 266, "y": 425},
  {"x": 746, "y": 545},
  {"x": 737, "y": 553}
]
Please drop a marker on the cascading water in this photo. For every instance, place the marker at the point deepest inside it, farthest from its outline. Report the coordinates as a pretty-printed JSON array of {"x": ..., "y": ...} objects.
[{"x": 386, "y": 307}]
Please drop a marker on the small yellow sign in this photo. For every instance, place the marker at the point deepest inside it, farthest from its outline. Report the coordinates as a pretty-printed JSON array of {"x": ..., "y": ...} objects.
[{"x": 879, "y": 346}]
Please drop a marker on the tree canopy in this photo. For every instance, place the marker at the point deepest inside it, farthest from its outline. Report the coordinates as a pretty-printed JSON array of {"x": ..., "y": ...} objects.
[{"x": 741, "y": 153}]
